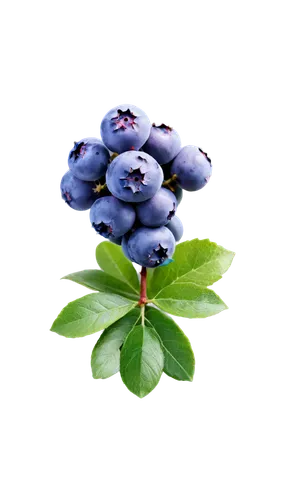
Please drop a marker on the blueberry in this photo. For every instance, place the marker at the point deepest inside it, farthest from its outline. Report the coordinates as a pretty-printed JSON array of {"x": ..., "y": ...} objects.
[
  {"x": 126, "y": 237},
  {"x": 134, "y": 176},
  {"x": 151, "y": 247},
  {"x": 125, "y": 128},
  {"x": 88, "y": 160},
  {"x": 176, "y": 227},
  {"x": 192, "y": 167},
  {"x": 111, "y": 217},
  {"x": 124, "y": 246},
  {"x": 178, "y": 192},
  {"x": 159, "y": 210},
  {"x": 79, "y": 195},
  {"x": 163, "y": 144}
]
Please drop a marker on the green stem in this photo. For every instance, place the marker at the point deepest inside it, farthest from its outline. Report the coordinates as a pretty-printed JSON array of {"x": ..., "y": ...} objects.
[
  {"x": 170, "y": 181},
  {"x": 143, "y": 287}
]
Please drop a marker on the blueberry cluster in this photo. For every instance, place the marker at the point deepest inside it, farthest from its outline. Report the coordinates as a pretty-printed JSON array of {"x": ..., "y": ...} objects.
[{"x": 132, "y": 182}]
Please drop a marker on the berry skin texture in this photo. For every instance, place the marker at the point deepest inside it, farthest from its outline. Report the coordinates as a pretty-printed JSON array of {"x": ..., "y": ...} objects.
[
  {"x": 176, "y": 228},
  {"x": 151, "y": 247},
  {"x": 163, "y": 144},
  {"x": 88, "y": 160},
  {"x": 79, "y": 195},
  {"x": 125, "y": 128},
  {"x": 192, "y": 167},
  {"x": 178, "y": 192},
  {"x": 159, "y": 210},
  {"x": 112, "y": 218},
  {"x": 124, "y": 246},
  {"x": 134, "y": 176}
]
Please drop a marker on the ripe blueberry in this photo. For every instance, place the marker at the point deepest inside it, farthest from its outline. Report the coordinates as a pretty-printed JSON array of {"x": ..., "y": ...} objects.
[
  {"x": 111, "y": 217},
  {"x": 158, "y": 210},
  {"x": 134, "y": 176},
  {"x": 124, "y": 246},
  {"x": 176, "y": 227},
  {"x": 79, "y": 195},
  {"x": 163, "y": 144},
  {"x": 125, "y": 127},
  {"x": 192, "y": 167},
  {"x": 151, "y": 247},
  {"x": 88, "y": 160}
]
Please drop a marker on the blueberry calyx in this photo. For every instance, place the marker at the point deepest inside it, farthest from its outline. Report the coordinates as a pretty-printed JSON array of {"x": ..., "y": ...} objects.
[
  {"x": 124, "y": 120},
  {"x": 103, "y": 229},
  {"x": 163, "y": 127},
  {"x": 98, "y": 187},
  {"x": 172, "y": 212},
  {"x": 159, "y": 255},
  {"x": 78, "y": 150},
  {"x": 134, "y": 179},
  {"x": 205, "y": 153}
]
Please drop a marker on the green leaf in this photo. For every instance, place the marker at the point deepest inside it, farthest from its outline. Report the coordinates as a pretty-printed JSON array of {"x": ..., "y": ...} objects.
[
  {"x": 179, "y": 357},
  {"x": 198, "y": 261},
  {"x": 141, "y": 360},
  {"x": 91, "y": 314},
  {"x": 112, "y": 260},
  {"x": 189, "y": 300},
  {"x": 105, "y": 358},
  {"x": 102, "y": 282}
]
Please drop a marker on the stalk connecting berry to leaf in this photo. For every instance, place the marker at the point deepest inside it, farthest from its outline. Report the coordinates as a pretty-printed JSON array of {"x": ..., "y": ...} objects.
[{"x": 132, "y": 181}]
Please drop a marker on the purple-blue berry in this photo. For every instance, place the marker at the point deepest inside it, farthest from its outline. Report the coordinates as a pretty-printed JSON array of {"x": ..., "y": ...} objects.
[
  {"x": 124, "y": 245},
  {"x": 79, "y": 195},
  {"x": 192, "y": 168},
  {"x": 176, "y": 228},
  {"x": 163, "y": 144},
  {"x": 134, "y": 176},
  {"x": 158, "y": 210},
  {"x": 112, "y": 218},
  {"x": 125, "y": 128},
  {"x": 150, "y": 247},
  {"x": 88, "y": 159}
]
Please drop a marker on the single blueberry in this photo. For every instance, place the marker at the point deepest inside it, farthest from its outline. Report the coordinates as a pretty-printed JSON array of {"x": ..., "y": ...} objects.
[
  {"x": 125, "y": 128},
  {"x": 151, "y": 247},
  {"x": 163, "y": 144},
  {"x": 192, "y": 167},
  {"x": 177, "y": 227},
  {"x": 112, "y": 218},
  {"x": 134, "y": 176},
  {"x": 158, "y": 210},
  {"x": 77, "y": 195},
  {"x": 88, "y": 160}
]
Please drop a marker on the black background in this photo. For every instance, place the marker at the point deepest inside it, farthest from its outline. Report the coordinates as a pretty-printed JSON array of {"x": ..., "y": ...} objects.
[{"x": 64, "y": 368}]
